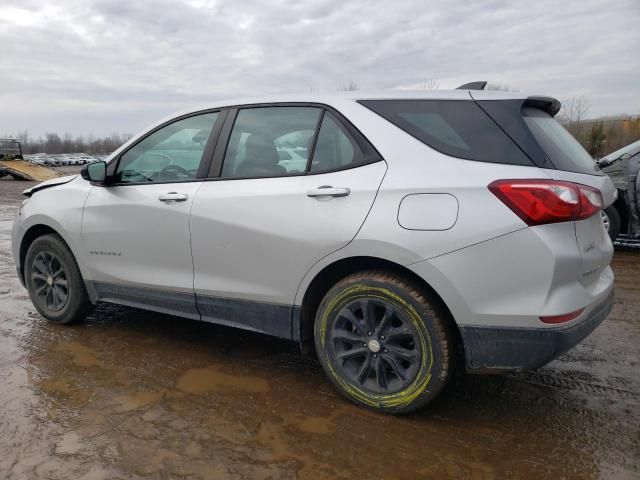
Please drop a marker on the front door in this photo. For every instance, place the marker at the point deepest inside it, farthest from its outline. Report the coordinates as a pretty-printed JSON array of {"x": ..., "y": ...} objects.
[
  {"x": 136, "y": 230},
  {"x": 271, "y": 214}
]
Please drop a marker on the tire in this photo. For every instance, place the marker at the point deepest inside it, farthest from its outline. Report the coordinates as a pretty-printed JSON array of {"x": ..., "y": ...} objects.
[
  {"x": 611, "y": 217},
  {"x": 398, "y": 357},
  {"x": 48, "y": 266}
]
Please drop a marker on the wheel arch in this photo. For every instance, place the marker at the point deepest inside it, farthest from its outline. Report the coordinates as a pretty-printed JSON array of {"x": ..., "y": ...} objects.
[
  {"x": 338, "y": 269},
  {"x": 37, "y": 230},
  {"x": 28, "y": 238}
]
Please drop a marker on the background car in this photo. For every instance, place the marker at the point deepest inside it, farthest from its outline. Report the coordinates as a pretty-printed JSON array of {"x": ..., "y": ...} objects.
[{"x": 623, "y": 166}]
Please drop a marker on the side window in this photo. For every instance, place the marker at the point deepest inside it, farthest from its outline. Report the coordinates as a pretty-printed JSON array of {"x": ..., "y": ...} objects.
[
  {"x": 171, "y": 154},
  {"x": 334, "y": 148},
  {"x": 270, "y": 142},
  {"x": 459, "y": 128}
]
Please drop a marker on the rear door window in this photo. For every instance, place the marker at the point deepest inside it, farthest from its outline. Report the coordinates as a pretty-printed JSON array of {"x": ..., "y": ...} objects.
[
  {"x": 458, "y": 128},
  {"x": 270, "y": 142}
]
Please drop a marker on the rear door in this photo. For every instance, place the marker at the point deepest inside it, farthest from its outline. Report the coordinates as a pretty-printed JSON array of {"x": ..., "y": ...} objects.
[{"x": 294, "y": 184}]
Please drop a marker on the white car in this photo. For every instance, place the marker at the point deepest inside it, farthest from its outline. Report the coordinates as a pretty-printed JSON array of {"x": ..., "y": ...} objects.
[{"x": 424, "y": 231}]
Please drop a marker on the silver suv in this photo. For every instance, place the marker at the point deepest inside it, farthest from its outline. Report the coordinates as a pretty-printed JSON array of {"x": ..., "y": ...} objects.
[{"x": 419, "y": 231}]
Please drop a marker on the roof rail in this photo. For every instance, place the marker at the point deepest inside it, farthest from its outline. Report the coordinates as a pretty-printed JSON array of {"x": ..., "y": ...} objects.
[{"x": 473, "y": 86}]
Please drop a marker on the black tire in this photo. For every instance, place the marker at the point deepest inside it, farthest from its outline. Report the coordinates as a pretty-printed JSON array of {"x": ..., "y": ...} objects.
[
  {"x": 614, "y": 222},
  {"x": 414, "y": 325},
  {"x": 40, "y": 277}
]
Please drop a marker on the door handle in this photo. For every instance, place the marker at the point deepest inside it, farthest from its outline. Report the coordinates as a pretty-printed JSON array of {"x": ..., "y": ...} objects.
[
  {"x": 173, "y": 197},
  {"x": 328, "y": 191}
]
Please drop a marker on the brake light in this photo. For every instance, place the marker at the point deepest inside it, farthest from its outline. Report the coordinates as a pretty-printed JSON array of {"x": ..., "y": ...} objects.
[{"x": 538, "y": 202}]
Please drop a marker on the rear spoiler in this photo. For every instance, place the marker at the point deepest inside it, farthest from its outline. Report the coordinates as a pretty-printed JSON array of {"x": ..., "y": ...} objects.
[{"x": 546, "y": 104}]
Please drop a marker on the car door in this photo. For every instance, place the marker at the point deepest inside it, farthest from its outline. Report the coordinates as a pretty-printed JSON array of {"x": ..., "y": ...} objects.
[
  {"x": 268, "y": 213},
  {"x": 136, "y": 229}
]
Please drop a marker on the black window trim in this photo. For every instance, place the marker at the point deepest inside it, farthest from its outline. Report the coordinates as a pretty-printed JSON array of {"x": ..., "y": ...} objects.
[
  {"x": 369, "y": 153},
  {"x": 205, "y": 160}
]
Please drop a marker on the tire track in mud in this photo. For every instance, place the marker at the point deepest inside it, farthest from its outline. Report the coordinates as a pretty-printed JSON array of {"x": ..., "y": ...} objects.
[{"x": 553, "y": 381}]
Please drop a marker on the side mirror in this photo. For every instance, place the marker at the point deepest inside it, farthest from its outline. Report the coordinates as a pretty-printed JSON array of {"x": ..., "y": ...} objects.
[{"x": 95, "y": 172}]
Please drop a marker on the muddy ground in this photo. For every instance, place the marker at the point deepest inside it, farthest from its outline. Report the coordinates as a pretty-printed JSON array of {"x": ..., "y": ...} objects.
[{"x": 132, "y": 394}]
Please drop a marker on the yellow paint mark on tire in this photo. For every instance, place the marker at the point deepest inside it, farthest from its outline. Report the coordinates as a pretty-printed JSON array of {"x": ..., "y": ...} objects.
[{"x": 423, "y": 376}]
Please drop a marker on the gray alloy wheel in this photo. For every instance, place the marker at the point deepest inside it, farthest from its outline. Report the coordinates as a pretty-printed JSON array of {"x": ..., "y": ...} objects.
[
  {"x": 54, "y": 281},
  {"x": 49, "y": 279},
  {"x": 384, "y": 342}
]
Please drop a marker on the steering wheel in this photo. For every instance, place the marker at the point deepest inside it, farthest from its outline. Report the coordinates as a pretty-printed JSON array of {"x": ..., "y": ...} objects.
[{"x": 176, "y": 170}]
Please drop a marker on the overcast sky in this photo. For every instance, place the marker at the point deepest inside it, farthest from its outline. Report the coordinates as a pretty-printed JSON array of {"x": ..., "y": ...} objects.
[{"x": 103, "y": 66}]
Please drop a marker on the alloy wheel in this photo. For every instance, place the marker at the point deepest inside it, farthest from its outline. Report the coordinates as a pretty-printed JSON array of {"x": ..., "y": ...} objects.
[
  {"x": 49, "y": 281},
  {"x": 376, "y": 346}
]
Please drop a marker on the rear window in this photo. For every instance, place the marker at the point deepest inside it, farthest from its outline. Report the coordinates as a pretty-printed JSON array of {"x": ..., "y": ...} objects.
[
  {"x": 454, "y": 127},
  {"x": 563, "y": 150}
]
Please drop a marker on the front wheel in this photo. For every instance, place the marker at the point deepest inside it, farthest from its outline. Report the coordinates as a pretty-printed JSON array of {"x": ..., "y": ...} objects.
[
  {"x": 383, "y": 343},
  {"x": 54, "y": 281}
]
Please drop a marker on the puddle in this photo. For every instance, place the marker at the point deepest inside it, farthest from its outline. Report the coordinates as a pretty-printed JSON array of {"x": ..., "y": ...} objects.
[
  {"x": 203, "y": 380},
  {"x": 82, "y": 356},
  {"x": 127, "y": 403}
]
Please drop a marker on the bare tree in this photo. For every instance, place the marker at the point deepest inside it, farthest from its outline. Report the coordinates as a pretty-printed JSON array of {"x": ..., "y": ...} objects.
[
  {"x": 349, "y": 87},
  {"x": 497, "y": 87},
  {"x": 573, "y": 111},
  {"x": 431, "y": 84}
]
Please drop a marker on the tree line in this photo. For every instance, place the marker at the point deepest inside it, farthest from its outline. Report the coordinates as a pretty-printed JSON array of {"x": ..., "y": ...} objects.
[
  {"x": 599, "y": 136},
  {"x": 54, "y": 143}
]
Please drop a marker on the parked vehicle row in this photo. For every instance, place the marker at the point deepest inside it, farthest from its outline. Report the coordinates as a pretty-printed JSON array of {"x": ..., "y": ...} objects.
[
  {"x": 63, "y": 160},
  {"x": 397, "y": 234}
]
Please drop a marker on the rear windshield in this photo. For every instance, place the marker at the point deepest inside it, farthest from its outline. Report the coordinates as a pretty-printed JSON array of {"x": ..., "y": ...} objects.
[
  {"x": 563, "y": 150},
  {"x": 459, "y": 128}
]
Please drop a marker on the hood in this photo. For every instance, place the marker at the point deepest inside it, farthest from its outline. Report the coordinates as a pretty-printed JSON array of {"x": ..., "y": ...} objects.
[{"x": 49, "y": 183}]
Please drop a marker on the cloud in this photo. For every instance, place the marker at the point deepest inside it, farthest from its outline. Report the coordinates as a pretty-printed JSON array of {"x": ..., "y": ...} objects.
[{"x": 100, "y": 66}]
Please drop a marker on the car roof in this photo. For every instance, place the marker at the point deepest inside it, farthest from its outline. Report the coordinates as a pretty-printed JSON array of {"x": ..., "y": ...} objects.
[{"x": 331, "y": 98}]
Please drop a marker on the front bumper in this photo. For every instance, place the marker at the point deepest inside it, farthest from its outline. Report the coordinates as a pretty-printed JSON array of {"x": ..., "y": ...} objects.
[{"x": 498, "y": 348}]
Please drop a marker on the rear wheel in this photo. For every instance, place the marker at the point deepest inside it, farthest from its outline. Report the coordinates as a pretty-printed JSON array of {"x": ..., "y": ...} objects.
[
  {"x": 54, "y": 281},
  {"x": 383, "y": 343}
]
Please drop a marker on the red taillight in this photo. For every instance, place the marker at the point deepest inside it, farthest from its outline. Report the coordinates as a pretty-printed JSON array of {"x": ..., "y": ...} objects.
[
  {"x": 538, "y": 202},
  {"x": 562, "y": 318}
]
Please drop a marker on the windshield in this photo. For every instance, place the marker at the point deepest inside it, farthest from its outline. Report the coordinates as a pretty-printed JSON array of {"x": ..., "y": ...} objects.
[{"x": 563, "y": 150}]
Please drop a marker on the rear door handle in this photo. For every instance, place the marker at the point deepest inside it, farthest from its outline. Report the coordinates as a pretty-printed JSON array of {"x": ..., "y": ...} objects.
[
  {"x": 328, "y": 191},
  {"x": 173, "y": 197}
]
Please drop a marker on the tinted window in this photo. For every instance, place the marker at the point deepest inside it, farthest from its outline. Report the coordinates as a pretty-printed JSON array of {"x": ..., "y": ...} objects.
[
  {"x": 171, "y": 154},
  {"x": 334, "y": 148},
  {"x": 454, "y": 127},
  {"x": 270, "y": 142},
  {"x": 563, "y": 150}
]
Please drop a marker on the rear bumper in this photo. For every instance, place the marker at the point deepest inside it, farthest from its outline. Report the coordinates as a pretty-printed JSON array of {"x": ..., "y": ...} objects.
[{"x": 497, "y": 348}]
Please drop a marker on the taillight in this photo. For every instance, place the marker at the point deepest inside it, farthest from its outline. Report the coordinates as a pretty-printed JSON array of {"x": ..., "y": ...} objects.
[{"x": 538, "y": 202}]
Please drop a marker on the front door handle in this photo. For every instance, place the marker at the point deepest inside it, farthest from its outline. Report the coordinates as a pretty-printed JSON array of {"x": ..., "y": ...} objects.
[
  {"x": 328, "y": 191},
  {"x": 173, "y": 197}
]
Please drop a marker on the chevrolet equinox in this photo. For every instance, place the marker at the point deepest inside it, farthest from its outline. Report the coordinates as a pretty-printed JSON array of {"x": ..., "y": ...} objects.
[{"x": 396, "y": 233}]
